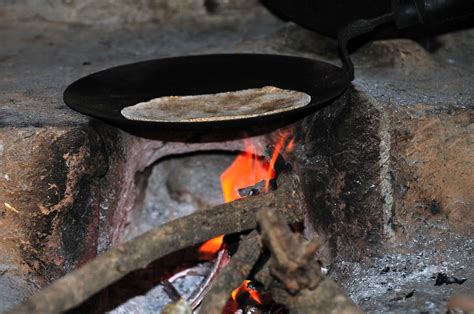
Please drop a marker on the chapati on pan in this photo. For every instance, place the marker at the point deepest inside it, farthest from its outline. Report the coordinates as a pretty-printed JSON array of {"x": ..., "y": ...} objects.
[{"x": 232, "y": 105}]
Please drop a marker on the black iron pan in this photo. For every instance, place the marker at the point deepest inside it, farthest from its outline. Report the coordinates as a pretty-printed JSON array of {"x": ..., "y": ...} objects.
[{"x": 104, "y": 94}]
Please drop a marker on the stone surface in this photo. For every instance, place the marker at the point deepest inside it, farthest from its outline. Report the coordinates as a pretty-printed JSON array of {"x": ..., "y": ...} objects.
[
  {"x": 383, "y": 283},
  {"x": 119, "y": 12},
  {"x": 389, "y": 163}
]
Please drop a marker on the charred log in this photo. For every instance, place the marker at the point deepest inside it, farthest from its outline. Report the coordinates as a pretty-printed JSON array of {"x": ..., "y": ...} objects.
[
  {"x": 296, "y": 279},
  {"x": 232, "y": 276}
]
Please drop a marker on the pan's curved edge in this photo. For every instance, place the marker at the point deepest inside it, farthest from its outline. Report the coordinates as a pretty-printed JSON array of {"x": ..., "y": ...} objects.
[{"x": 70, "y": 95}]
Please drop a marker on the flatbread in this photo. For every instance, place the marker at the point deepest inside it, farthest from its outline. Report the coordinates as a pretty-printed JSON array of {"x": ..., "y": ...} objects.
[{"x": 234, "y": 105}]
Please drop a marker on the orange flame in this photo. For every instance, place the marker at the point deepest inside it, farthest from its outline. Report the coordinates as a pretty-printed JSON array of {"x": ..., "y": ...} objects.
[
  {"x": 276, "y": 152},
  {"x": 244, "y": 287},
  {"x": 290, "y": 146},
  {"x": 210, "y": 248},
  {"x": 247, "y": 170}
]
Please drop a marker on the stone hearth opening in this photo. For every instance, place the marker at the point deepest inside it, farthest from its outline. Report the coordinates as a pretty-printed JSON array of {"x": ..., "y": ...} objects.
[
  {"x": 176, "y": 186},
  {"x": 172, "y": 187}
]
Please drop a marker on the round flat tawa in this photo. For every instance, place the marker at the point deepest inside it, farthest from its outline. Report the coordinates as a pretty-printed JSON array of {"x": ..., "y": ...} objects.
[{"x": 104, "y": 94}]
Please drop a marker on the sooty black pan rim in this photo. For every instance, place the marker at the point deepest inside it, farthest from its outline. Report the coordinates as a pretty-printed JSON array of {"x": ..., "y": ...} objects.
[{"x": 105, "y": 93}]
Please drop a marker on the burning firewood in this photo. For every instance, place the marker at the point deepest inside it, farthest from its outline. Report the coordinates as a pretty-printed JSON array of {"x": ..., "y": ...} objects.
[
  {"x": 76, "y": 287},
  {"x": 292, "y": 274},
  {"x": 222, "y": 260},
  {"x": 238, "y": 269},
  {"x": 292, "y": 257}
]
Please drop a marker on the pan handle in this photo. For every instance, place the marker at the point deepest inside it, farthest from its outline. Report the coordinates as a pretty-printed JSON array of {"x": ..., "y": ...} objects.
[
  {"x": 353, "y": 30},
  {"x": 405, "y": 13}
]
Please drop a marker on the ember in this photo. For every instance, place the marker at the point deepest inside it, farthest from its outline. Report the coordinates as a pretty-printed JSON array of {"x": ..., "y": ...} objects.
[
  {"x": 246, "y": 287},
  {"x": 210, "y": 248}
]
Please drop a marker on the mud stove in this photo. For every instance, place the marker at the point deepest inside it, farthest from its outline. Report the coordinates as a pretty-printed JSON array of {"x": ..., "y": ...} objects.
[{"x": 360, "y": 201}]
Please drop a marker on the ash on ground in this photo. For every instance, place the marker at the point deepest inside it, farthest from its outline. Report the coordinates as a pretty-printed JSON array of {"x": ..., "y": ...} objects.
[{"x": 403, "y": 280}]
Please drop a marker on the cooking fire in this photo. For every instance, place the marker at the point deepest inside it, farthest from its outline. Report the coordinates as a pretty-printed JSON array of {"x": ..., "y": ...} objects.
[
  {"x": 247, "y": 170},
  {"x": 253, "y": 156}
]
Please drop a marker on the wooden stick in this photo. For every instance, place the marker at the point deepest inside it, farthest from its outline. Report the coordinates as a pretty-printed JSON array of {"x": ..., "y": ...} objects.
[
  {"x": 76, "y": 287},
  {"x": 294, "y": 276},
  {"x": 222, "y": 261},
  {"x": 232, "y": 275},
  {"x": 292, "y": 261}
]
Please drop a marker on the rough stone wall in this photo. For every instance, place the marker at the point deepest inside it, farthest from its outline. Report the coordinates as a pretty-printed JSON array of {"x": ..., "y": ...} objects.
[
  {"x": 432, "y": 162},
  {"x": 342, "y": 171},
  {"x": 49, "y": 179},
  {"x": 49, "y": 189},
  {"x": 376, "y": 175}
]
